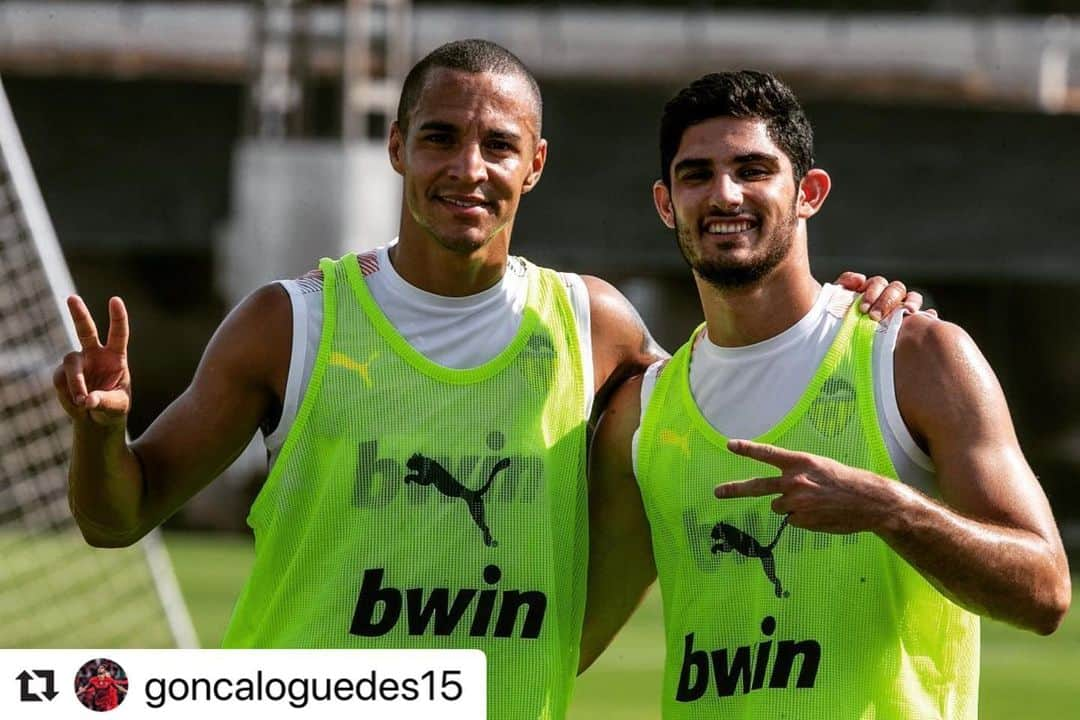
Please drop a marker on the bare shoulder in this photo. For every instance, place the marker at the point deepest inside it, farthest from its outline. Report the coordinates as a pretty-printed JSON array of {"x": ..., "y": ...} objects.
[
  {"x": 943, "y": 382},
  {"x": 262, "y": 318},
  {"x": 935, "y": 352},
  {"x": 268, "y": 304},
  {"x": 254, "y": 342},
  {"x": 622, "y": 345},
  {"x": 612, "y": 312},
  {"x": 926, "y": 335}
]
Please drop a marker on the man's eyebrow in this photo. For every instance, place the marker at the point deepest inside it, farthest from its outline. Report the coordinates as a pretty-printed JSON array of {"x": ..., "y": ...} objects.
[
  {"x": 691, "y": 164},
  {"x": 504, "y": 135},
  {"x": 443, "y": 126},
  {"x": 757, "y": 157},
  {"x": 438, "y": 125}
]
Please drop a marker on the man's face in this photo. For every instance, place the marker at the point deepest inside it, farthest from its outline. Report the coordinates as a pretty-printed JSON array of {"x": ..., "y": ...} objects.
[
  {"x": 102, "y": 671},
  {"x": 470, "y": 152},
  {"x": 733, "y": 201}
]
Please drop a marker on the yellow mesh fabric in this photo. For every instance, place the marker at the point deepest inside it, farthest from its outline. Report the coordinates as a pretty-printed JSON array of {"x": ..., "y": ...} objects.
[
  {"x": 416, "y": 506},
  {"x": 765, "y": 620}
]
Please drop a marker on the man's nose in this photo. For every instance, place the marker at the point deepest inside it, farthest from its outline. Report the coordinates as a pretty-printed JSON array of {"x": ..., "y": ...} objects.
[
  {"x": 468, "y": 164},
  {"x": 727, "y": 192}
]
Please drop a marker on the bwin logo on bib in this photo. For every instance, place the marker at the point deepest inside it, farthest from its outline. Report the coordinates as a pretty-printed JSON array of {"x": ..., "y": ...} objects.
[{"x": 500, "y": 477}]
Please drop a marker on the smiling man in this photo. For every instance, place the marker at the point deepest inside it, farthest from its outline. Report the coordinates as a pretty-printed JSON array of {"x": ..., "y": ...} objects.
[
  {"x": 424, "y": 405},
  {"x": 849, "y": 586}
]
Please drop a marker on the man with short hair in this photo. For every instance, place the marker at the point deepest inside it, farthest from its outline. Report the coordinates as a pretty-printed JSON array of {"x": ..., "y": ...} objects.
[
  {"x": 849, "y": 586},
  {"x": 424, "y": 404}
]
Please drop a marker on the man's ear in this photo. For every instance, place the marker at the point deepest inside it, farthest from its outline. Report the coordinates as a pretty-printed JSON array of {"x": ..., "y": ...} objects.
[
  {"x": 813, "y": 189},
  {"x": 662, "y": 199},
  {"x": 538, "y": 160},
  {"x": 396, "y": 147}
]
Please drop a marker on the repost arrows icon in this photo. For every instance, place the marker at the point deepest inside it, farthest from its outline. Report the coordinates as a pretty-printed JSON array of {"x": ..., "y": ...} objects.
[
  {"x": 24, "y": 687},
  {"x": 24, "y": 679},
  {"x": 49, "y": 677}
]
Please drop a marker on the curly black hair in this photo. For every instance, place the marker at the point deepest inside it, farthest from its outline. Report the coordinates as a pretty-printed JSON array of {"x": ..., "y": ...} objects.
[{"x": 739, "y": 94}]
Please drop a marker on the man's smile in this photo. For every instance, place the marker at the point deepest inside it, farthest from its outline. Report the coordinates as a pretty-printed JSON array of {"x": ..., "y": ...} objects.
[
  {"x": 470, "y": 204},
  {"x": 728, "y": 228}
]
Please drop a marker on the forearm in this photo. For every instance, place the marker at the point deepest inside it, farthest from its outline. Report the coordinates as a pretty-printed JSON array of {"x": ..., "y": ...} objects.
[
  {"x": 105, "y": 487},
  {"x": 1008, "y": 574},
  {"x": 616, "y": 589}
]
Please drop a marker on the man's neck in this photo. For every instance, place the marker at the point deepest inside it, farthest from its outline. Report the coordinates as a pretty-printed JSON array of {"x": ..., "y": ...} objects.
[
  {"x": 425, "y": 264},
  {"x": 744, "y": 316}
]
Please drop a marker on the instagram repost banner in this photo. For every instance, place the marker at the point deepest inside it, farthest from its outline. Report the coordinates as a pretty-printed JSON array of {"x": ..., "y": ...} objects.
[{"x": 269, "y": 684}]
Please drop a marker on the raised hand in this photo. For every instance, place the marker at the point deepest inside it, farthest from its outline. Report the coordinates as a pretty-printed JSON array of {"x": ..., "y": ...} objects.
[
  {"x": 95, "y": 382},
  {"x": 881, "y": 297},
  {"x": 817, "y": 493}
]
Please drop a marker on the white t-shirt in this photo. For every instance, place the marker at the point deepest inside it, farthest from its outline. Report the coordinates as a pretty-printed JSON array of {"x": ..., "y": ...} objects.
[
  {"x": 745, "y": 391},
  {"x": 456, "y": 332}
]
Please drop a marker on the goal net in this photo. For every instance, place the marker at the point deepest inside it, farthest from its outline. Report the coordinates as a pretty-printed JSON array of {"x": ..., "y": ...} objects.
[{"x": 56, "y": 591}]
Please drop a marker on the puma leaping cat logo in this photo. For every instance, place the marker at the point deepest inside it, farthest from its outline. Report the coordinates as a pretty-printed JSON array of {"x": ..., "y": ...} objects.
[
  {"x": 729, "y": 537},
  {"x": 361, "y": 368},
  {"x": 426, "y": 471}
]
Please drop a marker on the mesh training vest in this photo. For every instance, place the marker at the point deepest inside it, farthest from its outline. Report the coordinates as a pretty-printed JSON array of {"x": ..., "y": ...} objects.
[
  {"x": 417, "y": 506},
  {"x": 764, "y": 620}
]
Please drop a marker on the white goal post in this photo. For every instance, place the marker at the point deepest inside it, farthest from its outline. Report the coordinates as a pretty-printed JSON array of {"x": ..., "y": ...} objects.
[{"x": 56, "y": 591}]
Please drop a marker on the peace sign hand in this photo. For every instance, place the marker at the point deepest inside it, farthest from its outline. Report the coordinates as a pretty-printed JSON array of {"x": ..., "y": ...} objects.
[
  {"x": 95, "y": 382},
  {"x": 817, "y": 493}
]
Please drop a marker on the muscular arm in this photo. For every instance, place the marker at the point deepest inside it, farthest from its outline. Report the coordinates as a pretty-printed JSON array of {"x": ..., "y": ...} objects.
[
  {"x": 119, "y": 492},
  {"x": 621, "y": 566},
  {"x": 992, "y": 545},
  {"x": 622, "y": 345}
]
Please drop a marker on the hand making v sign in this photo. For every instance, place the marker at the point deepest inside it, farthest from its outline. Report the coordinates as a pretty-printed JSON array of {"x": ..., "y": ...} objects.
[{"x": 95, "y": 382}]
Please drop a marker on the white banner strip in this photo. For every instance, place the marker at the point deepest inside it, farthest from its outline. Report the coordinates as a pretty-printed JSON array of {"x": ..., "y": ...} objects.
[{"x": 267, "y": 684}]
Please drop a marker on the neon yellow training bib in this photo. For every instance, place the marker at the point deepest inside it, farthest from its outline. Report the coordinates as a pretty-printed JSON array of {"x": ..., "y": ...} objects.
[
  {"x": 764, "y": 620},
  {"x": 417, "y": 506}
]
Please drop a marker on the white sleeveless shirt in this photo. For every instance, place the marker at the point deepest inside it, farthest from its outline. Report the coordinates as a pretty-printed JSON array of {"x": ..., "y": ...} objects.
[{"x": 744, "y": 391}]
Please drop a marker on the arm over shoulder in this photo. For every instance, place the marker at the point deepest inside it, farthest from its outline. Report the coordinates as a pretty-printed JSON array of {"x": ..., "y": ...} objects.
[{"x": 622, "y": 345}]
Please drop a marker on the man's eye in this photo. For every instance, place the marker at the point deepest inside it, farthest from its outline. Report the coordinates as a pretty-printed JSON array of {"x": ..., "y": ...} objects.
[
  {"x": 696, "y": 176},
  {"x": 500, "y": 146},
  {"x": 754, "y": 172},
  {"x": 438, "y": 138}
]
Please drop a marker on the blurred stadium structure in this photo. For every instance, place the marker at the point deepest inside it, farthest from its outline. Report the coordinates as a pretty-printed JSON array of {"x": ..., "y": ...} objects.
[
  {"x": 1022, "y": 61},
  {"x": 189, "y": 151}
]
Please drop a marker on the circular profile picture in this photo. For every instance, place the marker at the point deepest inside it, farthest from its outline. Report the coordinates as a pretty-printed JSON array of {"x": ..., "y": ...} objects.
[{"x": 101, "y": 684}]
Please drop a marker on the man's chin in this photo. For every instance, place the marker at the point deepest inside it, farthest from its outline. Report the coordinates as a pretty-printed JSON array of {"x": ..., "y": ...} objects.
[
  {"x": 730, "y": 276},
  {"x": 463, "y": 244},
  {"x": 739, "y": 269}
]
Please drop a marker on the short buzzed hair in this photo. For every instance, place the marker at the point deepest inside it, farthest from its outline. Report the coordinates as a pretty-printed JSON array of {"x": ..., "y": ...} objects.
[{"x": 470, "y": 56}]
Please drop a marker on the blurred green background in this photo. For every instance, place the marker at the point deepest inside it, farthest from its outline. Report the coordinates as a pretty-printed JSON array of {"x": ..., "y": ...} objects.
[{"x": 1024, "y": 677}]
